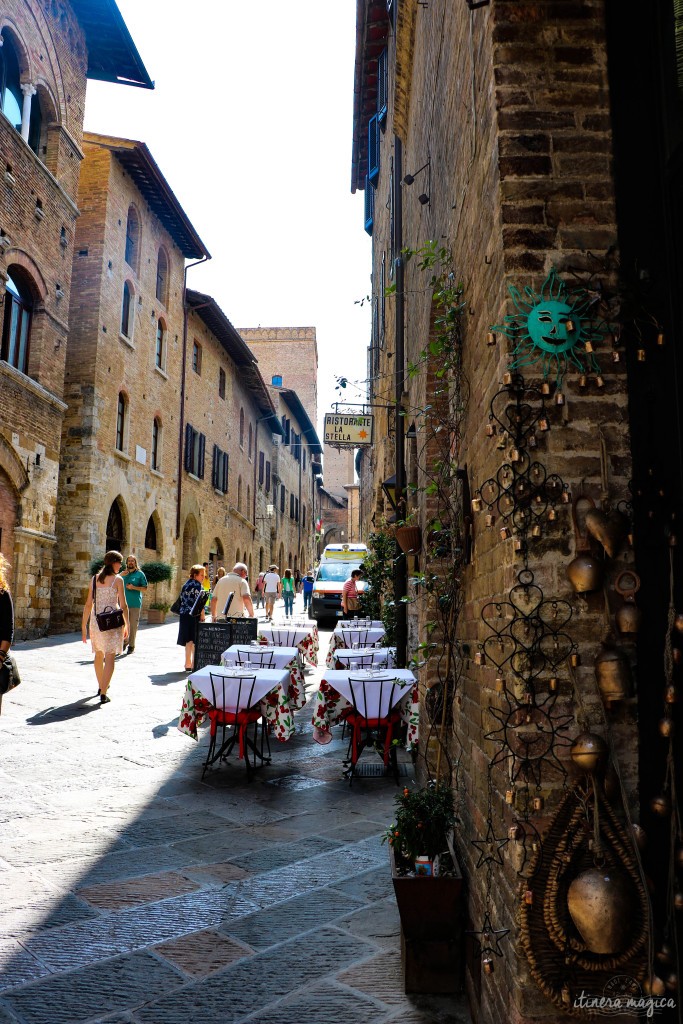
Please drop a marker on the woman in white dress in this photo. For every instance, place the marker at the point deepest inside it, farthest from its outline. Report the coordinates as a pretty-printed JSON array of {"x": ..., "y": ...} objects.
[{"x": 109, "y": 592}]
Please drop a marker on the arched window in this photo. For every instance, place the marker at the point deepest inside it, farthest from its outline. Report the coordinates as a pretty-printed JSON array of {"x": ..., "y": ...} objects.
[
  {"x": 115, "y": 538},
  {"x": 190, "y": 532},
  {"x": 11, "y": 98},
  {"x": 151, "y": 534},
  {"x": 162, "y": 277},
  {"x": 160, "y": 349},
  {"x": 239, "y": 494},
  {"x": 156, "y": 444},
  {"x": 241, "y": 428},
  {"x": 16, "y": 327},
  {"x": 127, "y": 311},
  {"x": 251, "y": 439},
  {"x": 132, "y": 254},
  {"x": 121, "y": 422}
]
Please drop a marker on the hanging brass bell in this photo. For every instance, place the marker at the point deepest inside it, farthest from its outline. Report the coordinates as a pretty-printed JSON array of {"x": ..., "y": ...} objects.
[
  {"x": 479, "y": 658},
  {"x": 490, "y": 338},
  {"x": 588, "y": 347},
  {"x": 600, "y": 381},
  {"x": 490, "y": 430},
  {"x": 678, "y": 900},
  {"x": 600, "y": 903},
  {"x": 640, "y": 355},
  {"x": 509, "y": 796},
  {"x": 666, "y": 727},
  {"x": 531, "y": 441},
  {"x": 613, "y": 674},
  {"x": 660, "y": 805},
  {"x": 583, "y": 380},
  {"x": 553, "y": 685},
  {"x": 565, "y": 496},
  {"x": 538, "y": 803},
  {"x": 507, "y": 379},
  {"x": 569, "y": 327},
  {"x": 536, "y": 530},
  {"x": 616, "y": 356},
  {"x": 670, "y": 694},
  {"x": 575, "y": 659},
  {"x": 660, "y": 338},
  {"x": 543, "y": 423},
  {"x": 515, "y": 833},
  {"x": 500, "y": 684},
  {"x": 477, "y": 504},
  {"x": 588, "y": 752},
  {"x": 559, "y": 398},
  {"x": 519, "y": 544},
  {"x": 504, "y": 533},
  {"x": 545, "y": 388},
  {"x": 487, "y": 965},
  {"x": 628, "y": 617},
  {"x": 490, "y": 519},
  {"x": 585, "y": 573},
  {"x": 528, "y": 897},
  {"x": 678, "y": 622},
  {"x": 515, "y": 455}
]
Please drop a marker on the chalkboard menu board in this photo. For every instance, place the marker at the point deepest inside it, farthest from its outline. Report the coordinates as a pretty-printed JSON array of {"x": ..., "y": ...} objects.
[{"x": 212, "y": 638}]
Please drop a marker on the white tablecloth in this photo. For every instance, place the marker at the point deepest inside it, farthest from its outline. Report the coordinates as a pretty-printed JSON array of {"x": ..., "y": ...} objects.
[
  {"x": 227, "y": 686},
  {"x": 361, "y": 634},
  {"x": 278, "y": 635},
  {"x": 281, "y": 656},
  {"x": 365, "y": 690},
  {"x": 362, "y": 658}
]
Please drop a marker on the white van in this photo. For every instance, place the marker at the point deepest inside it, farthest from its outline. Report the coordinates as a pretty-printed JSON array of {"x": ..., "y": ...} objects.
[{"x": 336, "y": 565}]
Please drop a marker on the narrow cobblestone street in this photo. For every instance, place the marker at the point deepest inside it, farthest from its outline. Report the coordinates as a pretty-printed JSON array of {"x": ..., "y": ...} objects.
[{"x": 135, "y": 892}]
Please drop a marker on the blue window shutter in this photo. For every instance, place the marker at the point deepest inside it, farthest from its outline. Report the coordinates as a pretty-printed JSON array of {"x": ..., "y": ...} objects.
[
  {"x": 214, "y": 467},
  {"x": 382, "y": 86},
  {"x": 369, "y": 206},
  {"x": 224, "y": 481},
  {"x": 202, "y": 448},
  {"x": 373, "y": 150},
  {"x": 189, "y": 432}
]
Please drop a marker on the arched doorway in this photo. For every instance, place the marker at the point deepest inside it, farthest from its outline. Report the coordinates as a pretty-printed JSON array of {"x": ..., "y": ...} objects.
[
  {"x": 9, "y": 509},
  {"x": 115, "y": 528},
  {"x": 153, "y": 534},
  {"x": 190, "y": 533},
  {"x": 216, "y": 557}
]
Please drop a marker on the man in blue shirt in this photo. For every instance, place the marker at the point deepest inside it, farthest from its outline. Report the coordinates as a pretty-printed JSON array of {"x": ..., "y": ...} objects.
[
  {"x": 307, "y": 588},
  {"x": 135, "y": 582}
]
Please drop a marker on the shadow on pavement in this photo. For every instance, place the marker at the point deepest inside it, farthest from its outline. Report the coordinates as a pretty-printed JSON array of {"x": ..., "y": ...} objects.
[
  {"x": 168, "y": 677},
  {"x": 64, "y": 713}
]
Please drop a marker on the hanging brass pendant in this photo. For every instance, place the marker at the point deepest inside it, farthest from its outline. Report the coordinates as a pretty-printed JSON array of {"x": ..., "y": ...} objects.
[
  {"x": 589, "y": 752},
  {"x": 613, "y": 674},
  {"x": 601, "y": 906}
]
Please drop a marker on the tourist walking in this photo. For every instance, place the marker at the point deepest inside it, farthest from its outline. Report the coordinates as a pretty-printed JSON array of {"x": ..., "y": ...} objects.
[
  {"x": 307, "y": 589},
  {"x": 259, "y": 596},
  {"x": 234, "y": 583},
  {"x": 288, "y": 592},
  {"x": 135, "y": 583},
  {"x": 271, "y": 588},
  {"x": 192, "y": 588},
  {"x": 6, "y": 614},
  {"x": 351, "y": 595},
  {"x": 105, "y": 593}
]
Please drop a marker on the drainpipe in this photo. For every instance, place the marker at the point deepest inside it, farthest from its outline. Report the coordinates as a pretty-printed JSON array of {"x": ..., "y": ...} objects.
[
  {"x": 181, "y": 428},
  {"x": 400, "y": 560}
]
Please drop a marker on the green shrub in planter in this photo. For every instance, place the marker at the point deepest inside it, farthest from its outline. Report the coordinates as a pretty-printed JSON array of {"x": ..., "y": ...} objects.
[{"x": 158, "y": 572}]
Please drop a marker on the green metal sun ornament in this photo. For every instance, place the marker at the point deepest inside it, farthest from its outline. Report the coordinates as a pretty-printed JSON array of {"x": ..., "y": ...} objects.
[{"x": 553, "y": 328}]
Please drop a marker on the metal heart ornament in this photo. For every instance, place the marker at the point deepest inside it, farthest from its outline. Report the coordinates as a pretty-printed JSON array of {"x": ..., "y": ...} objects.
[{"x": 608, "y": 528}]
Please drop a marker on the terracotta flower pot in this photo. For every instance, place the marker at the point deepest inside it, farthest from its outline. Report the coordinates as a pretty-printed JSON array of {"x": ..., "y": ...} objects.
[
  {"x": 409, "y": 539},
  {"x": 155, "y": 616}
]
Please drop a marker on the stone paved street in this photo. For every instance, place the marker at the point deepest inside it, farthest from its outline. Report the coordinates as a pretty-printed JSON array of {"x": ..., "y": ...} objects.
[{"x": 135, "y": 892}]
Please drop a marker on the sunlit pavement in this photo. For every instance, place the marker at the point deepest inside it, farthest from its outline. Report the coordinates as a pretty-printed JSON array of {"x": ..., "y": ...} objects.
[{"x": 134, "y": 892}]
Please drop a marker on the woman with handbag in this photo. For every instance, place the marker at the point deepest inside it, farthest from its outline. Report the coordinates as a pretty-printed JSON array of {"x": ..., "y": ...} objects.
[
  {"x": 350, "y": 595},
  {"x": 191, "y": 589},
  {"x": 6, "y": 617},
  {"x": 106, "y": 607}
]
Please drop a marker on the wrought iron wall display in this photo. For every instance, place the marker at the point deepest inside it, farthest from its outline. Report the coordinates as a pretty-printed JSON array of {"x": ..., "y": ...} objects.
[{"x": 555, "y": 328}]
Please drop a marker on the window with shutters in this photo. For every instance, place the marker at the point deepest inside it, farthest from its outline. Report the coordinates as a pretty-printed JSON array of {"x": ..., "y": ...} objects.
[
  {"x": 373, "y": 150},
  {"x": 239, "y": 494},
  {"x": 127, "y": 310},
  {"x": 369, "y": 208},
  {"x": 382, "y": 300},
  {"x": 132, "y": 250},
  {"x": 251, "y": 441},
  {"x": 282, "y": 497},
  {"x": 197, "y": 358},
  {"x": 382, "y": 86},
  {"x": 241, "y": 428},
  {"x": 221, "y": 383},
  {"x": 162, "y": 277},
  {"x": 296, "y": 509},
  {"x": 219, "y": 470},
  {"x": 121, "y": 422},
  {"x": 195, "y": 446},
  {"x": 160, "y": 347},
  {"x": 261, "y": 467},
  {"x": 291, "y": 506},
  {"x": 267, "y": 488},
  {"x": 16, "y": 325}
]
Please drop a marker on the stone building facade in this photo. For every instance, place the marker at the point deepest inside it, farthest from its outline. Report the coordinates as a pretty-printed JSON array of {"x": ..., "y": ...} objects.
[
  {"x": 230, "y": 427},
  {"x": 289, "y": 354},
  {"x": 47, "y": 52},
  {"x": 118, "y": 486},
  {"x": 503, "y": 132}
]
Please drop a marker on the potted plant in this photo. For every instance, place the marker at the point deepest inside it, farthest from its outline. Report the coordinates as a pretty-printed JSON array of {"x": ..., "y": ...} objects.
[
  {"x": 428, "y": 887},
  {"x": 408, "y": 535},
  {"x": 156, "y": 573}
]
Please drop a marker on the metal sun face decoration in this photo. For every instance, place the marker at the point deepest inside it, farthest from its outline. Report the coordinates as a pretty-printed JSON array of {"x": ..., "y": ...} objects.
[{"x": 554, "y": 328}]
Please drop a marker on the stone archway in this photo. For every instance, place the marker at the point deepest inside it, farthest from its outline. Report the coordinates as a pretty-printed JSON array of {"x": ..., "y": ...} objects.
[
  {"x": 116, "y": 527},
  {"x": 190, "y": 538},
  {"x": 9, "y": 516}
]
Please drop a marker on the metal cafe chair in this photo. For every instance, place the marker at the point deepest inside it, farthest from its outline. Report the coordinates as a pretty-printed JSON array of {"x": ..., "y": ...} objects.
[
  {"x": 372, "y": 719},
  {"x": 240, "y": 716},
  {"x": 264, "y": 659},
  {"x": 356, "y": 661},
  {"x": 355, "y": 636},
  {"x": 283, "y": 637}
]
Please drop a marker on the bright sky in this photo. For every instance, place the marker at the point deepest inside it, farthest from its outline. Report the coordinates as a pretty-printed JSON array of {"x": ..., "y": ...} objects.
[{"x": 250, "y": 123}]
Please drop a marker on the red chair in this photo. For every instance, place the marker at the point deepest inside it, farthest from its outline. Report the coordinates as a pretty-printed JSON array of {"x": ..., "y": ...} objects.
[
  {"x": 240, "y": 716},
  {"x": 372, "y": 729}
]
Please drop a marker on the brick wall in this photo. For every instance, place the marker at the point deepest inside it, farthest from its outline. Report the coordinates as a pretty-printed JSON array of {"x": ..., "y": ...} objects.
[
  {"x": 509, "y": 104},
  {"x": 291, "y": 352}
]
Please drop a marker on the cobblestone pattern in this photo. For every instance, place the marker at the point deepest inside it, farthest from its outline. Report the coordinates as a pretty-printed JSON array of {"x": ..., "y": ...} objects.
[{"x": 145, "y": 896}]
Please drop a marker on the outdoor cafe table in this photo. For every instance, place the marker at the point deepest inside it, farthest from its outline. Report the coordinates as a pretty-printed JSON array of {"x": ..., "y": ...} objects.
[
  {"x": 346, "y": 634},
  {"x": 333, "y": 698},
  {"x": 280, "y": 657},
  {"x": 270, "y": 691},
  {"x": 305, "y": 638},
  {"x": 364, "y": 657}
]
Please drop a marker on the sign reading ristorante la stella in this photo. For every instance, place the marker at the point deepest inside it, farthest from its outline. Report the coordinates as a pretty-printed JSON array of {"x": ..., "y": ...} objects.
[{"x": 347, "y": 428}]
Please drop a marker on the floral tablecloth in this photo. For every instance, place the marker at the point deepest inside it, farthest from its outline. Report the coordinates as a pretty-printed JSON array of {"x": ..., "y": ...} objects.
[
  {"x": 329, "y": 705},
  {"x": 305, "y": 638},
  {"x": 345, "y": 637},
  {"x": 282, "y": 657},
  {"x": 275, "y": 705}
]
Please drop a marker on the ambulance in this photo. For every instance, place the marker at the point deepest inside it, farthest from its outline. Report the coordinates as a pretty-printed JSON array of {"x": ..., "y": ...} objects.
[{"x": 336, "y": 565}]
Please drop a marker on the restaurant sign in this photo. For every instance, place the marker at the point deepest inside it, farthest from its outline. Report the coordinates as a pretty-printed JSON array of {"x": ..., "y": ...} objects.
[{"x": 348, "y": 429}]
